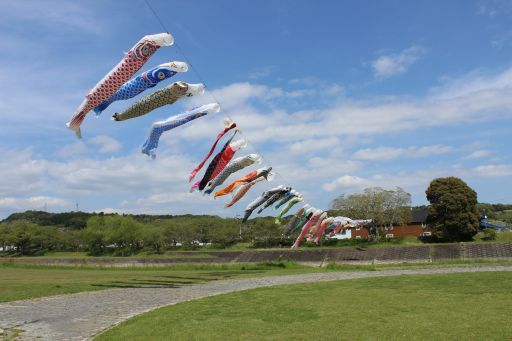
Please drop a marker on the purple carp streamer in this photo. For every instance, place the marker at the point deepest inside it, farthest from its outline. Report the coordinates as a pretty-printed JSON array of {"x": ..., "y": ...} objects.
[
  {"x": 232, "y": 167},
  {"x": 142, "y": 82},
  {"x": 228, "y": 126},
  {"x": 159, "y": 98},
  {"x": 120, "y": 74},
  {"x": 158, "y": 128}
]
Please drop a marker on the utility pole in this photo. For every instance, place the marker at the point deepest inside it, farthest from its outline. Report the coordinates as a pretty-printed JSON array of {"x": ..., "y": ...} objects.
[
  {"x": 76, "y": 207},
  {"x": 238, "y": 217}
]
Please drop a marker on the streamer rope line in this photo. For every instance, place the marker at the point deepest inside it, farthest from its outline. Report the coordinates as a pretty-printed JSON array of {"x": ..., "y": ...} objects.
[{"x": 210, "y": 93}]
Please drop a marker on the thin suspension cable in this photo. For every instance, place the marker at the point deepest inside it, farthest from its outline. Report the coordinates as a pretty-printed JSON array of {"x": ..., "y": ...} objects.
[
  {"x": 201, "y": 79},
  {"x": 156, "y": 16}
]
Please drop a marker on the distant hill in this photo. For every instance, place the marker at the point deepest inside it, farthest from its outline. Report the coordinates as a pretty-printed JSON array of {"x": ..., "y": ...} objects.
[
  {"x": 73, "y": 220},
  {"x": 78, "y": 220}
]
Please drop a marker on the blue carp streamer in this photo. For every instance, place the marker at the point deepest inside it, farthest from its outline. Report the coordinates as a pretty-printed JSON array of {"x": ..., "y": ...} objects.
[
  {"x": 142, "y": 82},
  {"x": 158, "y": 128}
]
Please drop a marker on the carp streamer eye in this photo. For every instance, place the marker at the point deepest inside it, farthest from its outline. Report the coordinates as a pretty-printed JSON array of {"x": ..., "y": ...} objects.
[{"x": 160, "y": 75}]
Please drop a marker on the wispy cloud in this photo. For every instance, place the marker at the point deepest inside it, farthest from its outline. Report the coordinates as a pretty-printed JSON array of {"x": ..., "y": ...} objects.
[
  {"x": 107, "y": 144},
  {"x": 494, "y": 8},
  {"x": 35, "y": 203},
  {"x": 56, "y": 14},
  {"x": 493, "y": 170},
  {"x": 477, "y": 154},
  {"x": 262, "y": 72},
  {"x": 475, "y": 83},
  {"x": 348, "y": 182},
  {"x": 389, "y": 153},
  {"x": 386, "y": 66},
  {"x": 318, "y": 151}
]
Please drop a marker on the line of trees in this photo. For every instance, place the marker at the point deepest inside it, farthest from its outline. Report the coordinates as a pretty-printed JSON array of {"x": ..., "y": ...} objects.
[
  {"x": 453, "y": 215},
  {"x": 128, "y": 235}
]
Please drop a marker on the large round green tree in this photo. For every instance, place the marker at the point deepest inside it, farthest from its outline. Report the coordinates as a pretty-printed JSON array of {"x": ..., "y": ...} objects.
[{"x": 452, "y": 213}]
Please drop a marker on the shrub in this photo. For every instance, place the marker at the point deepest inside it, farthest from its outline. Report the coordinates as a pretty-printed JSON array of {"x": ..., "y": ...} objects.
[{"x": 489, "y": 234}]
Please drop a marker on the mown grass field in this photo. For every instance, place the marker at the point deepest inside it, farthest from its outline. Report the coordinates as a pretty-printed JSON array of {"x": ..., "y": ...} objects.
[
  {"x": 21, "y": 281},
  {"x": 465, "y": 306},
  {"x": 24, "y": 281},
  {"x": 501, "y": 237}
]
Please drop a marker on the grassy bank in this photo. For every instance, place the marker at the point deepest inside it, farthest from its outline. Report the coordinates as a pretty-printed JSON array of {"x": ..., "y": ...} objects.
[
  {"x": 209, "y": 251},
  {"x": 23, "y": 281},
  {"x": 469, "y": 306}
]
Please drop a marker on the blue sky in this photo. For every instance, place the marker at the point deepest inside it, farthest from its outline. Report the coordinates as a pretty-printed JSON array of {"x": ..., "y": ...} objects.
[{"x": 336, "y": 95}]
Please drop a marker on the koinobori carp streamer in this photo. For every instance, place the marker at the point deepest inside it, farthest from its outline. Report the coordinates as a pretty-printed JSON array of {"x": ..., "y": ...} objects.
[
  {"x": 142, "y": 82},
  {"x": 232, "y": 167},
  {"x": 158, "y": 128},
  {"x": 228, "y": 126},
  {"x": 120, "y": 74},
  {"x": 165, "y": 96}
]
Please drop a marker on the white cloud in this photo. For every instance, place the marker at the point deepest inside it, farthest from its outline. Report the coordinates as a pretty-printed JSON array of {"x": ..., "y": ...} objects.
[
  {"x": 388, "y": 153},
  {"x": 237, "y": 94},
  {"x": 346, "y": 182},
  {"x": 262, "y": 72},
  {"x": 475, "y": 83},
  {"x": 328, "y": 135},
  {"x": 73, "y": 149},
  {"x": 309, "y": 80},
  {"x": 108, "y": 210},
  {"x": 312, "y": 145},
  {"x": 487, "y": 11},
  {"x": 479, "y": 154},
  {"x": 107, "y": 144},
  {"x": 133, "y": 182},
  {"x": 493, "y": 170},
  {"x": 393, "y": 64},
  {"x": 494, "y": 8},
  {"x": 416, "y": 181},
  {"x": 501, "y": 40},
  {"x": 35, "y": 203}
]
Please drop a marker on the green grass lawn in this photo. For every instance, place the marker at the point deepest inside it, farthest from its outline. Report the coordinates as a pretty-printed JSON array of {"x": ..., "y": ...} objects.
[
  {"x": 501, "y": 237},
  {"x": 80, "y": 254},
  {"x": 468, "y": 306},
  {"x": 21, "y": 281}
]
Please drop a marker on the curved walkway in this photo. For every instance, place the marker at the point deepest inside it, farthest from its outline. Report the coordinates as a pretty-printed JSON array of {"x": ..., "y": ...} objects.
[{"x": 82, "y": 315}]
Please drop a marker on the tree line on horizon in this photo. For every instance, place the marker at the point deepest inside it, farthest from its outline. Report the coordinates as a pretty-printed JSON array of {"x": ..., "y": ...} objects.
[{"x": 453, "y": 214}]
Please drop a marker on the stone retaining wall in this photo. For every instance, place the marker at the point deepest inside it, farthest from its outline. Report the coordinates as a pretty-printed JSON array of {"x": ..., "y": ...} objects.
[{"x": 421, "y": 253}]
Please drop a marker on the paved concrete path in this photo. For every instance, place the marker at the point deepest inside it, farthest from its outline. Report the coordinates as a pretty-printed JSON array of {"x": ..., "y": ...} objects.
[{"x": 82, "y": 315}]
